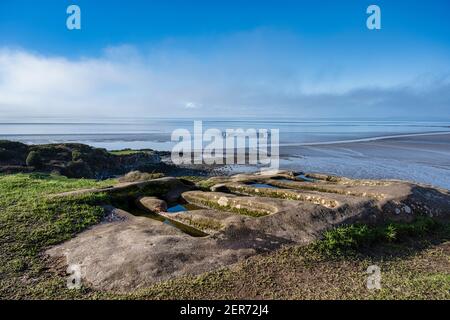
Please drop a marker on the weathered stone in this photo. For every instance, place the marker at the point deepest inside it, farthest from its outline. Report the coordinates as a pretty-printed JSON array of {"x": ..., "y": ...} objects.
[
  {"x": 168, "y": 188},
  {"x": 251, "y": 206},
  {"x": 207, "y": 220},
  {"x": 132, "y": 252},
  {"x": 136, "y": 176},
  {"x": 153, "y": 204},
  {"x": 136, "y": 252}
]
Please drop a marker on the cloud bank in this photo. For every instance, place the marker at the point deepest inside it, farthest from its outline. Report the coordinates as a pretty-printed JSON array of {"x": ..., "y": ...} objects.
[{"x": 259, "y": 73}]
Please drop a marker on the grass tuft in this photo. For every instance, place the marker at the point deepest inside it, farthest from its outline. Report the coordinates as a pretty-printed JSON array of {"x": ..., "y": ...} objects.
[{"x": 346, "y": 239}]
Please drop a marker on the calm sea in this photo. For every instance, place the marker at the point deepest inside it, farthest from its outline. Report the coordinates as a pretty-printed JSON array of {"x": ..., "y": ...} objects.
[{"x": 115, "y": 134}]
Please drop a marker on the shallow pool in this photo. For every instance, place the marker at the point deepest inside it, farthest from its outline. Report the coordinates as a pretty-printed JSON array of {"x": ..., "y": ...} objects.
[
  {"x": 262, "y": 186},
  {"x": 142, "y": 212},
  {"x": 177, "y": 208},
  {"x": 183, "y": 207},
  {"x": 305, "y": 178}
]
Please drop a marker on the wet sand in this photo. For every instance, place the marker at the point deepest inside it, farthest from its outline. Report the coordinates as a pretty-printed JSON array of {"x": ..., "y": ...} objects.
[{"x": 424, "y": 159}]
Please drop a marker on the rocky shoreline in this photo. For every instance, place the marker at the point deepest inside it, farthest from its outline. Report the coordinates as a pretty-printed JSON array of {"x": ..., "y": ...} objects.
[{"x": 76, "y": 160}]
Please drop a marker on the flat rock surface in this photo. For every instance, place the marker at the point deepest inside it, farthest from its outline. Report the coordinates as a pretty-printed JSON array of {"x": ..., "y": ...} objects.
[
  {"x": 133, "y": 253},
  {"x": 242, "y": 219}
]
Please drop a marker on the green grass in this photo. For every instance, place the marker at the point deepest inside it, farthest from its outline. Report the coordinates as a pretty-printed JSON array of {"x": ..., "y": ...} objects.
[
  {"x": 126, "y": 152},
  {"x": 203, "y": 223},
  {"x": 31, "y": 221},
  {"x": 349, "y": 238},
  {"x": 193, "y": 179}
]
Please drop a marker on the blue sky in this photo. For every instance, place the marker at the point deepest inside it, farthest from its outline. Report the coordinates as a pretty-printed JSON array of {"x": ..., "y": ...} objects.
[{"x": 222, "y": 58}]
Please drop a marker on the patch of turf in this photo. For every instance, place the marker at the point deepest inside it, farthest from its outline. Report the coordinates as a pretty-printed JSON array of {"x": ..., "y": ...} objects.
[
  {"x": 31, "y": 221},
  {"x": 126, "y": 152},
  {"x": 203, "y": 223},
  {"x": 193, "y": 179},
  {"x": 353, "y": 237}
]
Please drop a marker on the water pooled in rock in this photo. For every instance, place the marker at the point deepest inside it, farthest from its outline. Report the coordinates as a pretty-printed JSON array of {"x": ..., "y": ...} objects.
[
  {"x": 183, "y": 207},
  {"x": 148, "y": 214},
  {"x": 262, "y": 186},
  {"x": 177, "y": 208},
  {"x": 305, "y": 178}
]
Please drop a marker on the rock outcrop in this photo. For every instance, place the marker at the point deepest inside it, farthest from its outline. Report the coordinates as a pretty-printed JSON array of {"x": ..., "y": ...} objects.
[
  {"x": 74, "y": 160},
  {"x": 153, "y": 204},
  {"x": 241, "y": 216}
]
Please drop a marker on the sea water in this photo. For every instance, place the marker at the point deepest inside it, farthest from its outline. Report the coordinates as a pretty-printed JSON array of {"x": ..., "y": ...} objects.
[{"x": 120, "y": 133}]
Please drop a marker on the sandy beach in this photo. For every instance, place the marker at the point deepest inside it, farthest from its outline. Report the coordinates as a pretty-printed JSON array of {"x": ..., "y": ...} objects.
[{"x": 424, "y": 159}]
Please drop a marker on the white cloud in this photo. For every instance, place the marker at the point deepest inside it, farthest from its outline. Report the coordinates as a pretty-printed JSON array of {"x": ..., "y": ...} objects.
[
  {"x": 192, "y": 105},
  {"x": 244, "y": 74}
]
